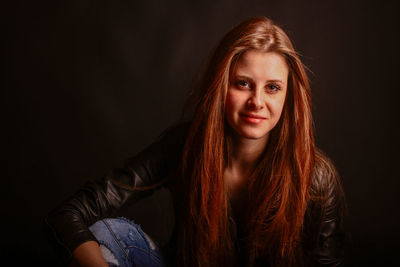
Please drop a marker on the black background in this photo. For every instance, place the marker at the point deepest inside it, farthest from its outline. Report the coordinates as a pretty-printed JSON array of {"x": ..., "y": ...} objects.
[{"x": 90, "y": 83}]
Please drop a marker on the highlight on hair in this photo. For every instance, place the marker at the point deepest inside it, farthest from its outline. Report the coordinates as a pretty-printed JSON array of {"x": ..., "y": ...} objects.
[{"x": 280, "y": 183}]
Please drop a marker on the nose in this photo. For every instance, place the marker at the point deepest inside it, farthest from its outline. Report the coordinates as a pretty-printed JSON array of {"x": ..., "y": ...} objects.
[{"x": 255, "y": 101}]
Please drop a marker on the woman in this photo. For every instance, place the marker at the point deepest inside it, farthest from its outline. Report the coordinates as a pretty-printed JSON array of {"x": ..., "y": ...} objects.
[{"x": 249, "y": 186}]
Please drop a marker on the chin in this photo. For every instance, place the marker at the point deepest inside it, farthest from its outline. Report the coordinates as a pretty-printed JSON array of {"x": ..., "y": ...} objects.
[{"x": 253, "y": 134}]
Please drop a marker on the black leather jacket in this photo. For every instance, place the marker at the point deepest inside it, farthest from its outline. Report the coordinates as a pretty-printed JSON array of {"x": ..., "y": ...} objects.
[{"x": 68, "y": 224}]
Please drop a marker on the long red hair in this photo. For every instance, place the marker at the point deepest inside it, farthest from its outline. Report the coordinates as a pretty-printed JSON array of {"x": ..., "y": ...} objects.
[{"x": 280, "y": 183}]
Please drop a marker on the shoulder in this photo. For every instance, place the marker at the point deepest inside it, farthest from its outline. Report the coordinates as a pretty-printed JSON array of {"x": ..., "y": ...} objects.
[
  {"x": 177, "y": 132},
  {"x": 326, "y": 187},
  {"x": 160, "y": 158},
  {"x": 170, "y": 141},
  {"x": 324, "y": 230},
  {"x": 325, "y": 177}
]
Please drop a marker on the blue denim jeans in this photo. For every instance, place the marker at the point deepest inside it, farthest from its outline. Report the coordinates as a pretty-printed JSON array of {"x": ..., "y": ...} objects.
[{"x": 124, "y": 244}]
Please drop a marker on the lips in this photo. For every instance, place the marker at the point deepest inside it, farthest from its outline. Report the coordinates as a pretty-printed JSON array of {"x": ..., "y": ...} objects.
[{"x": 252, "y": 118}]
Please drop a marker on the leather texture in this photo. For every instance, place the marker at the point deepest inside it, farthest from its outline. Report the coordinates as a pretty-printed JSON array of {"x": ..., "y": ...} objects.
[{"x": 67, "y": 225}]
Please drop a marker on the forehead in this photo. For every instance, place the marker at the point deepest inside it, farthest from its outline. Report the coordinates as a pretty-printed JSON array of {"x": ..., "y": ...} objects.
[{"x": 261, "y": 64}]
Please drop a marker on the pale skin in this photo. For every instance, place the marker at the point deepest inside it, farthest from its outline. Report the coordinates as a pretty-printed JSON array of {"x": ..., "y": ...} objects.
[
  {"x": 254, "y": 103},
  {"x": 88, "y": 254}
]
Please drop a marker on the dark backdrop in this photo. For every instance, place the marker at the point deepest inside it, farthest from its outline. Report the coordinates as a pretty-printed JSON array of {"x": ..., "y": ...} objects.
[{"x": 90, "y": 83}]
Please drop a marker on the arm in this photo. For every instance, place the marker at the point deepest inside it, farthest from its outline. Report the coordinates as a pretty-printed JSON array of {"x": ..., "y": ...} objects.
[
  {"x": 88, "y": 254},
  {"x": 68, "y": 224},
  {"x": 324, "y": 217}
]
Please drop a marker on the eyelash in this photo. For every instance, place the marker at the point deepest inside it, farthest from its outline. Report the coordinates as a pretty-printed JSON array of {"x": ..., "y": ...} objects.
[
  {"x": 242, "y": 84},
  {"x": 270, "y": 87},
  {"x": 273, "y": 87}
]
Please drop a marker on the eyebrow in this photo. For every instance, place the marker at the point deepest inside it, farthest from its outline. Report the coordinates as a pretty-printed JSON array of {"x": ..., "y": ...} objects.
[{"x": 251, "y": 80}]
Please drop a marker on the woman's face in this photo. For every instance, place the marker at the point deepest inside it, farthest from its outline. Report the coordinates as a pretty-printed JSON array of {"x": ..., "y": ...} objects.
[{"x": 256, "y": 94}]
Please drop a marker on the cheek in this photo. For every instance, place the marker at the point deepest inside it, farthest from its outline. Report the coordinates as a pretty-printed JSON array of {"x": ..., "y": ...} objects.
[
  {"x": 276, "y": 107},
  {"x": 230, "y": 104}
]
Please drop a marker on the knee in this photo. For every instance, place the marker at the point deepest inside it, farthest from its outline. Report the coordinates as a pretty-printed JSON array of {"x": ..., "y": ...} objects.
[
  {"x": 120, "y": 238},
  {"x": 123, "y": 230},
  {"x": 109, "y": 255}
]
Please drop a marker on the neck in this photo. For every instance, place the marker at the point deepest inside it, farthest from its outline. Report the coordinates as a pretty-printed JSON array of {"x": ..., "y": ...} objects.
[
  {"x": 244, "y": 156},
  {"x": 245, "y": 153}
]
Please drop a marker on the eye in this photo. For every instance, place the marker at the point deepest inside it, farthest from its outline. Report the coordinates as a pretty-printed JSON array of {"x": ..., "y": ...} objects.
[
  {"x": 242, "y": 84},
  {"x": 273, "y": 87}
]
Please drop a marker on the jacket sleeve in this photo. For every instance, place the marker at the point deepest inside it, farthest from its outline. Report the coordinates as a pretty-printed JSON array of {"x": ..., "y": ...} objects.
[
  {"x": 324, "y": 218},
  {"x": 67, "y": 225}
]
